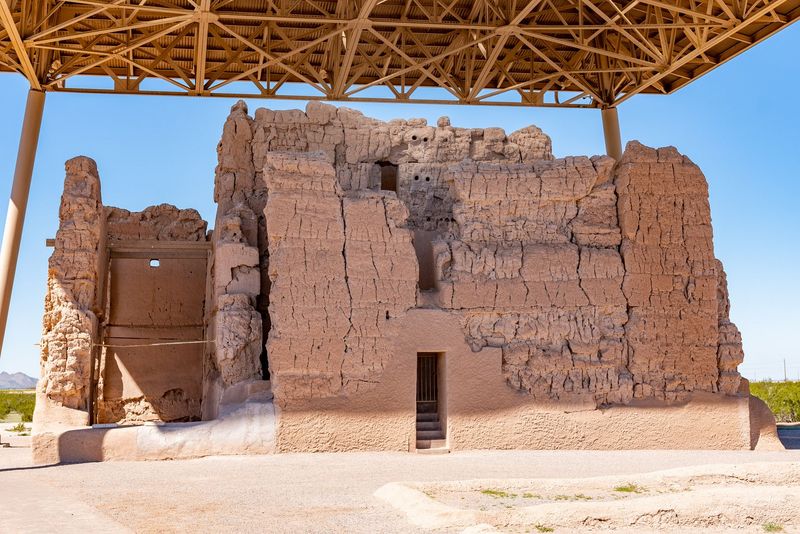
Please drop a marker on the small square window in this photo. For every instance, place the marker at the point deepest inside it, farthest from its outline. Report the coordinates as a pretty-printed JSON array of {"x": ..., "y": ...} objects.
[{"x": 154, "y": 263}]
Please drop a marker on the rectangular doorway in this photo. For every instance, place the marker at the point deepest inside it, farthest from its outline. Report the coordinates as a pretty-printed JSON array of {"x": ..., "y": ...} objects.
[
  {"x": 427, "y": 382},
  {"x": 430, "y": 433}
]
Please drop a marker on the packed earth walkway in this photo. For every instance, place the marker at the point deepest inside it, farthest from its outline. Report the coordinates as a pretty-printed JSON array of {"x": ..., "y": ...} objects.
[{"x": 336, "y": 492}]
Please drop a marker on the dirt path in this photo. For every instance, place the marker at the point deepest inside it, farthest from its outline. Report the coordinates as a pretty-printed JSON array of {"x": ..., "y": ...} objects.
[{"x": 287, "y": 493}]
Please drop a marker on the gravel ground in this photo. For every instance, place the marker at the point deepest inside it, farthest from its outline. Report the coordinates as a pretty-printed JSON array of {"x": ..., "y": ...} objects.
[{"x": 285, "y": 493}]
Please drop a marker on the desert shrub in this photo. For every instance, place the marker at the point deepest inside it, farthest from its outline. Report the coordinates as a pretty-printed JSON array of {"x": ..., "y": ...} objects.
[
  {"x": 498, "y": 494},
  {"x": 21, "y": 402},
  {"x": 629, "y": 488},
  {"x": 783, "y": 398},
  {"x": 18, "y": 428}
]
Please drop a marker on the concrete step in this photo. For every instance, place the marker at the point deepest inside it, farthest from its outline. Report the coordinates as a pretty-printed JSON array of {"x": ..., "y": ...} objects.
[
  {"x": 428, "y": 425},
  {"x": 427, "y": 417},
  {"x": 429, "y": 434},
  {"x": 436, "y": 450},
  {"x": 432, "y": 444}
]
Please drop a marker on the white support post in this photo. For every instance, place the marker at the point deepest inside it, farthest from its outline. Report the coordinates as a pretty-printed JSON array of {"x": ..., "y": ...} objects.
[
  {"x": 611, "y": 132},
  {"x": 15, "y": 218}
]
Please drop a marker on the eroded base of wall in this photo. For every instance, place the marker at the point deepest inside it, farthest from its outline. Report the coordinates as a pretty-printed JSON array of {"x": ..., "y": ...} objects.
[
  {"x": 247, "y": 429},
  {"x": 342, "y": 431},
  {"x": 705, "y": 422},
  {"x": 702, "y": 423},
  {"x": 763, "y": 430},
  {"x": 478, "y": 409}
]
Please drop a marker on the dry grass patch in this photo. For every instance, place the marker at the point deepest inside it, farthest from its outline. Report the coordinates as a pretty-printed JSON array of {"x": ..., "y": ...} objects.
[{"x": 629, "y": 488}]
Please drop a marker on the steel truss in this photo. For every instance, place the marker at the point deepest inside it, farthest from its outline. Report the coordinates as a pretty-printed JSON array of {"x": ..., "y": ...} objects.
[{"x": 562, "y": 53}]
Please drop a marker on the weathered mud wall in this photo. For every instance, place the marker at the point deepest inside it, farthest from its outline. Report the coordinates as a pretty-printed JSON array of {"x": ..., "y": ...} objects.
[
  {"x": 74, "y": 276},
  {"x": 483, "y": 412},
  {"x": 670, "y": 278},
  {"x": 353, "y": 143},
  {"x": 356, "y": 147},
  {"x": 584, "y": 307},
  {"x": 342, "y": 268},
  {"x": 729, "y": 346},
  {"x": 597, "y": 284},
  {"x": 237, "y": 315},
  {"x": 344, "y": 245},
  {"x": 164, "y": 222},
  {"x": 141, "y": 378},
  {"x": 104, "y": 311},
  {"x": 536, "y": 271},
  {"x": 236, "y": 286}
]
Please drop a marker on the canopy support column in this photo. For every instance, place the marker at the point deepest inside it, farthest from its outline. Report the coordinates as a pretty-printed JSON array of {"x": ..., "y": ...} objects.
[
  {"x": 18, "y": 203},
  {"x": 611, "y": 132}
]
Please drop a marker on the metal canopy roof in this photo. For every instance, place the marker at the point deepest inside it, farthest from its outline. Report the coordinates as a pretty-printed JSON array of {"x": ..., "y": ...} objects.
[
  {"x": 561, "y": 53},
  {"x": 566, "y": 53}
]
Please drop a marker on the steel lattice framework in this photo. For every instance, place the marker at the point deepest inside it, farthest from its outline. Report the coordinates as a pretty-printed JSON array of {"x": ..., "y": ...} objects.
[{"x": 565, "y": 53}]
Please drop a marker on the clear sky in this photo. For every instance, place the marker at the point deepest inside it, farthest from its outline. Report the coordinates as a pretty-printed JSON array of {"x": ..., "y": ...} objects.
[{"x": 740, "y": 124}]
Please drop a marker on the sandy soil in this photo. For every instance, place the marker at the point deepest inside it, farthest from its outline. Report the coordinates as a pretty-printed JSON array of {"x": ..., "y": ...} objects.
[
  {"x": 751, "y": 497},
  {"x": 307, "y": 492}
]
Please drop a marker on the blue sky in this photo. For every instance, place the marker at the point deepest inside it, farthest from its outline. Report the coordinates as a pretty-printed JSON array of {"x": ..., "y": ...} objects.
[{"x": 740, "y": 124}]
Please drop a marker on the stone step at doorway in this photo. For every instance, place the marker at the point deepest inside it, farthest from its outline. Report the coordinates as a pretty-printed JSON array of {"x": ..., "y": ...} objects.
[
  {"x": 430, "y": 437},
  {"x": 432, "y": 446}
]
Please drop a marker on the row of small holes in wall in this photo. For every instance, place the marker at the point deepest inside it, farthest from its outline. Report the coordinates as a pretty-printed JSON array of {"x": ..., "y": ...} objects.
[
  {"x": 414, "y": 138},
  {"x": 427, "y": 178},
  {"x": 442, "y": 219}
]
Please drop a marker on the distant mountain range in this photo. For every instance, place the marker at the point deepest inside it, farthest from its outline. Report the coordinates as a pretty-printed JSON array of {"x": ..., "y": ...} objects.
[{"x": 16, "y": 381}]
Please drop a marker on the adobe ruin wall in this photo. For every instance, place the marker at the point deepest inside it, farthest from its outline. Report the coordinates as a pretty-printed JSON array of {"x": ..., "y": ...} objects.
[
  {"x": 342, "y": 243},
  {"x": 79, "y": 341},
  {"x": 594, "y": 280}
]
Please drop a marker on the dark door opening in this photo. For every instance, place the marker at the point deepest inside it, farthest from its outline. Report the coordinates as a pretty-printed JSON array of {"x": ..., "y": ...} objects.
[
  {"x": 388, "y": 176},
  {"x": 427, "y": 383},
  {"x": 430, "y": 432}
]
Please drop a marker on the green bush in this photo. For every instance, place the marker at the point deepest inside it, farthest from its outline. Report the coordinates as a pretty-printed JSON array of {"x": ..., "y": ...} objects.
[
  {"x": 783, "y": 398},
  {"x": 21, "y": 402}
]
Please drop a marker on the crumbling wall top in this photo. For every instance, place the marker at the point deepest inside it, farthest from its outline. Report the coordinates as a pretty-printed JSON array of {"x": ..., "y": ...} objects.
[{"x": 164, "y": 222}]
